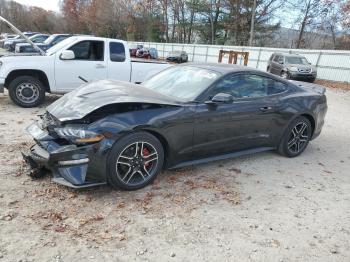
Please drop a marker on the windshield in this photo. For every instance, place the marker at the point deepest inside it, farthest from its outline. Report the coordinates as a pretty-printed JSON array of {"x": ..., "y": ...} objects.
[
  {"x": 182, "y": 82},
  {"x": 60, "y": 45},
  {"x": 297, "y": 60}
]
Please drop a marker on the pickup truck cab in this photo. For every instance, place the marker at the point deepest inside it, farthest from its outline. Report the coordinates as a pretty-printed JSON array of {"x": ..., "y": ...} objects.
[{"x": 66, "y": 65}]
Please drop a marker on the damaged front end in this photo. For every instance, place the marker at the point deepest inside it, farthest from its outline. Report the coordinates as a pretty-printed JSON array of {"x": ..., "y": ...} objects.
[{"x": 67, "y": 151}]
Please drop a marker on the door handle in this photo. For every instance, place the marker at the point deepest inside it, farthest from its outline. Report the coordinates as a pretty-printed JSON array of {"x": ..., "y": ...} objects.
[
  {"x": 266, "y": 108},
  {"x": 100, "y": 66}
]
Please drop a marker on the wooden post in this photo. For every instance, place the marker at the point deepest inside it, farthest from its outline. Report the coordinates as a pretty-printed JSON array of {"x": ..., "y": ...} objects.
[
  {"x": 233, "y": 56},
  {"x": 220, "y": 56}
]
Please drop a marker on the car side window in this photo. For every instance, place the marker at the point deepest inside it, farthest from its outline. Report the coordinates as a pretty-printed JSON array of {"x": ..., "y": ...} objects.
[
  {"x": 276, "y": 58},
  {"x": 88, "y": 50},
  {"x": 248, "y": 86},
  {"x": 276, "y": 87},
  {"x": 117, "y": 52}
]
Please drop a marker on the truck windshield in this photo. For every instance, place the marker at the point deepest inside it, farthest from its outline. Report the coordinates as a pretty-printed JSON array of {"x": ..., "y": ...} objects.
[{"x": 182, "y": 82}]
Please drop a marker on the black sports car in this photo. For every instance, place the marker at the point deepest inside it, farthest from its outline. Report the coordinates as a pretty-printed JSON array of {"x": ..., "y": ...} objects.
[{"x": 124, "y": 134}]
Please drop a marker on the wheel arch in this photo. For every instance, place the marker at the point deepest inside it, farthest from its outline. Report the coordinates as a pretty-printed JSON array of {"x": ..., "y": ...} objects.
[
  {"x": 312, "y": 121},
  {"x": 306, "y": 115},
  {"x": 156, "y": 134},
  {"x": 28, "y": 72},
  {"x": 162, "y": 140}
]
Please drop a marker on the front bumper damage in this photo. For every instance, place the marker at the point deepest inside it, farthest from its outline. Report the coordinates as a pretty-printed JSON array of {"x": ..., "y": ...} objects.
[{"x": 68, "y": 163}]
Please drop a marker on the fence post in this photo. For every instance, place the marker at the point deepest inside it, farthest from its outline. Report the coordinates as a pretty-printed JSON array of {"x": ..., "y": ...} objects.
[
  {"x": 206, "y": 54},
  {"x": 318, "y": 58},
  {"x": 240, "y": 57},
  {"x": 194, "y": 50},
  {"x": 257, "y": 62},
  {"x": 163, "y": 50}
]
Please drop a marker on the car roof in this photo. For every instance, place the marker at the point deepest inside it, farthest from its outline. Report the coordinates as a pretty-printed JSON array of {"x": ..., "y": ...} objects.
[
  {"x": 222, "y": 68},
  {"x": 288, "y": 55}
]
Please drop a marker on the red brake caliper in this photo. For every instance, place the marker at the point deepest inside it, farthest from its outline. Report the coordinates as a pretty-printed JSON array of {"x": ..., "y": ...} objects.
[{"x": 145, "y": 152}]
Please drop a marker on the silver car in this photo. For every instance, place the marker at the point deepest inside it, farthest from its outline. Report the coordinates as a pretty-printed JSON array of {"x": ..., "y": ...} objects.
[{"x": 291, "y": 66}]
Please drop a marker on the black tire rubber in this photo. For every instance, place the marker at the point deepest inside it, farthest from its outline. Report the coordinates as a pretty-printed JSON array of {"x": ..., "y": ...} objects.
[
  {"x": 283, "y": 147},
  {"x": 22, "y": 79},
  {"x": 288, "y": 76},
  {"x": 117, "y": 148}
]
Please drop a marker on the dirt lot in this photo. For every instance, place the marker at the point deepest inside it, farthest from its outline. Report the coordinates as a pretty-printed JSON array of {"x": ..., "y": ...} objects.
[{"x": 258, "y": 208}]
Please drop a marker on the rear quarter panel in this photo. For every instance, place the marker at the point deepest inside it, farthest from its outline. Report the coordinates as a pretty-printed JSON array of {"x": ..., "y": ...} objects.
[{"x": 304, "y": 103}]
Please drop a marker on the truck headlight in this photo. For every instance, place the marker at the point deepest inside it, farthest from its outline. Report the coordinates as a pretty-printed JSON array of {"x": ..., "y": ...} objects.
[
  {"x": 78, "y": 136},
  {"x": 293, "y": 69}
]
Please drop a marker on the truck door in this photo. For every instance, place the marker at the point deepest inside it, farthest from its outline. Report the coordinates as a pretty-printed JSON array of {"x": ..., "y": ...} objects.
[
  {"x": 118, "y": 60},
  {"x": 89, "y": 62}
]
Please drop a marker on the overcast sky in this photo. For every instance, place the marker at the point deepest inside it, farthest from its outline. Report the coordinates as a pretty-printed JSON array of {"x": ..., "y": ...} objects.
[{"x": 46, "y": 4}]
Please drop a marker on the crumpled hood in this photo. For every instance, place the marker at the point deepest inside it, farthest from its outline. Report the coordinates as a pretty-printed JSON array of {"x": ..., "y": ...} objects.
[{"x": 86, "y": 99}]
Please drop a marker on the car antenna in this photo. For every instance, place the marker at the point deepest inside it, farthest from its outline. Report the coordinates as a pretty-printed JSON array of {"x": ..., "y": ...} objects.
[{"x": 16, "y": 30}]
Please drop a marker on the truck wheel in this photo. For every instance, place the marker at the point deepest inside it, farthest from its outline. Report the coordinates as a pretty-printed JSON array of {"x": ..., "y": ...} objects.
[{"x": 26, "y": 91}]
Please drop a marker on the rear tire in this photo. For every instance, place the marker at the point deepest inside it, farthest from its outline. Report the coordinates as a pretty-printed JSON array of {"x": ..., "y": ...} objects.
[
  {"x": 296, "y": 137},
  {"x": 135, "y": 161},
  {"x": 27, "y": 91}
]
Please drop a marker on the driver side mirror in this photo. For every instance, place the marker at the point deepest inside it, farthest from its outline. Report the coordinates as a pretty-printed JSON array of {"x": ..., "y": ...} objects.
[
  {"x": 67, "y": 55},
  {"x": 222, "y": 98}
]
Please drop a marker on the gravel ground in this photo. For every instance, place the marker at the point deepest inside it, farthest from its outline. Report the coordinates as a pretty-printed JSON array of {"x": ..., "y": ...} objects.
[{"x": 262, "y": 207}]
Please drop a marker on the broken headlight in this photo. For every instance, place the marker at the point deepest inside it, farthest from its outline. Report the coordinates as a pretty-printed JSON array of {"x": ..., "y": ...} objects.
[{"x": 78, "y": 135}]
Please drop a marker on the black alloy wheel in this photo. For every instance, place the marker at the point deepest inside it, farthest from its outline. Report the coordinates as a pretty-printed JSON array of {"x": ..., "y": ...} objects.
[
  {"x": 296, "y": 138},
  {"x": 135, "y": 161}
]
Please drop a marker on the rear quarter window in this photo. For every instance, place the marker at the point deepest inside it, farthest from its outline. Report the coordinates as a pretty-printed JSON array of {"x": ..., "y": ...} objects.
[{"x": 117, "y": 52}]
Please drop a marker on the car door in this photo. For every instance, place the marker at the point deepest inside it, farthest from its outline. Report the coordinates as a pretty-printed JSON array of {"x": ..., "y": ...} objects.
[
  {"x": 248, "y": 122},
  {"x": 119, "y": 66},
  {"x": 89, "y": 63}
]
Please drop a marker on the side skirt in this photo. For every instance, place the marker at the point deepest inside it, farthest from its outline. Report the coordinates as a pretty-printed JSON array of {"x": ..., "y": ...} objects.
[
  {"x": 62, "y": 181},
  {"x": 222, "y": 157}
]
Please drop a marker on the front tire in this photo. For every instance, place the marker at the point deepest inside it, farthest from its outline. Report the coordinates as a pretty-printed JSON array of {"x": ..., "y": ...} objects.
[
  {"x": 296, "y": 137},
  {"x": 135, "y": 161},
  {"x": 285, "y": 75},
  {"x": 27, "y": 91}
]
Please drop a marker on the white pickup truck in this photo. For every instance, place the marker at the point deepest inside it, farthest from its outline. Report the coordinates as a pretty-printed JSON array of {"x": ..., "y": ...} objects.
[{"x": 64, "y": 67}]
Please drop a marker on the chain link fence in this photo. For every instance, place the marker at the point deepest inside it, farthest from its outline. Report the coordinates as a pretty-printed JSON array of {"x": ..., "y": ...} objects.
[{"x": 331, "y": 65}]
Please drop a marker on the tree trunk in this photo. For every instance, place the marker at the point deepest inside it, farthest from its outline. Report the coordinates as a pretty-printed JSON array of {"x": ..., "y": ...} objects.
[
  {"x": 190, "y": 27},
  {"x": 303, "y": 24},
  {"x": 251, "y": 37}
]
